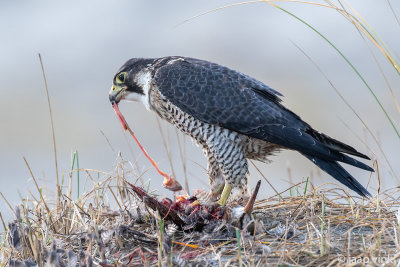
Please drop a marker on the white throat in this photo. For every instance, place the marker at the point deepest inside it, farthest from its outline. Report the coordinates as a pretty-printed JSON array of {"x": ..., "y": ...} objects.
[{"x": 143, "y": 79}]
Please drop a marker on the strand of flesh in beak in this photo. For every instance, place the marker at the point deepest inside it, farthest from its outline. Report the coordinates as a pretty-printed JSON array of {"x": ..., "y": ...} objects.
[{"x": 169, "y": 182}]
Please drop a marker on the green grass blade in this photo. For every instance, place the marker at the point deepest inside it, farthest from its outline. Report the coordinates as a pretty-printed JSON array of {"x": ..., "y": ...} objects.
[
  {"x": 75, "y": 158},
  {"x": 379, "y": 41},
  {"x": 348, "y": 62},
  {"x": 77, "y": 166},
  {"x": 73, "y": 161},
  {"x": 305, "y": 189},
  {"x": 239, "y": 247}
]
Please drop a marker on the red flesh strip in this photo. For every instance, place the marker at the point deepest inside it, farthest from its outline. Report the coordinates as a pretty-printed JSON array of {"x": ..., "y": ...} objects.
[
  {"x": 169, "y": 182},
  {"x": 120, "y": 116}
]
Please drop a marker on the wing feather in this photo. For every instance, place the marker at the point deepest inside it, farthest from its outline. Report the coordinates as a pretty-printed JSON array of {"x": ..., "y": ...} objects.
[{"x": 221, "y": 96}]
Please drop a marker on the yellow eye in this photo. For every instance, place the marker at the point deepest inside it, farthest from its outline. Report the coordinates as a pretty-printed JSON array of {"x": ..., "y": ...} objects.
[{"x": 121, "y": 77}]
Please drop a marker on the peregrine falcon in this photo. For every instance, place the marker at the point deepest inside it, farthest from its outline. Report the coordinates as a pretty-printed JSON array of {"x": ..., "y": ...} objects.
[{"x": 232, "y": 116}]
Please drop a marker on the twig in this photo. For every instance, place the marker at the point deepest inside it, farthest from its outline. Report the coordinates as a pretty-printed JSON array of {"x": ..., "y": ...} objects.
[
  {"x": 40, "y": 193},
  {"x": 265, "y": 178},
  {"x": 2, "y": 220},
  {"x": 182, "y": 154},
  {"x": 8, "y": 203},
  {"x": 394, "y": 13},
  {"x": 108, "y": 141},
  {"x": 52, "y": 130},
  {"x": 166, "y": 147},
  {"x": 114, "y": 197}
]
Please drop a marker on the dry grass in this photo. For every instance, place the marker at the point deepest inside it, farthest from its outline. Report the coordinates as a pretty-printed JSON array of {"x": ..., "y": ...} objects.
[{"x": 108, "y": 225}]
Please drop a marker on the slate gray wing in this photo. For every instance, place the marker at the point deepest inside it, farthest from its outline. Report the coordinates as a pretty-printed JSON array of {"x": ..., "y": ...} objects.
[{"x": 218, "y": 95}]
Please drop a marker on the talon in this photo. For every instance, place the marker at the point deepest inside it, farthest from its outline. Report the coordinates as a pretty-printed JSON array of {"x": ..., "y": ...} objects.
[
  {"x": 212, "y": 197},
  {"x": 215, "y": 192}
]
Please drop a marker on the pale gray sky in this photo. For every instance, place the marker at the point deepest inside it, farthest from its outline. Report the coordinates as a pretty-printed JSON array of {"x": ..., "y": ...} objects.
[{"x": 83, "y": 43}]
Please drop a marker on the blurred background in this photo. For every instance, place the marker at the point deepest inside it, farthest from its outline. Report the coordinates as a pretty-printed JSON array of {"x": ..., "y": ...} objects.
[{"x": 83, "y": 43}]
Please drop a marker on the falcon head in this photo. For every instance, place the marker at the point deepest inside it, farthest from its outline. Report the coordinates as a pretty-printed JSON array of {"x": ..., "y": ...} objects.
[{"x": 132, "y": 82}]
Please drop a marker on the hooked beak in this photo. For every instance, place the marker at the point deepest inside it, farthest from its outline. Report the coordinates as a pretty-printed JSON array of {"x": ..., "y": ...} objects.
[{"x": 116, "y": 94}]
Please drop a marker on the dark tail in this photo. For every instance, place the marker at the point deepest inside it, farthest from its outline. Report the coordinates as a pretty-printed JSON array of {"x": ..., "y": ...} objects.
[
  {"x": 340, "y": 174},
  {"x": 354, "y": 162}
]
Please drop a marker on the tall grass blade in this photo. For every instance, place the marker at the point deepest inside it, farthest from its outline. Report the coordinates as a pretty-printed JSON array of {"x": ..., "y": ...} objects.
[
  {"x": 347, "y": 61},
  {"x": 77, "y": 172},
  {"x": 370, "y": 33},
  {"x": 52, "y": 129},
  {"x": 305, "y": 188},
  {"x": 75, "y": 158},
  {"x": 351, "y": 108},
  {"x": 239, "y": 247},
  {"x": 394, "y": 13}
]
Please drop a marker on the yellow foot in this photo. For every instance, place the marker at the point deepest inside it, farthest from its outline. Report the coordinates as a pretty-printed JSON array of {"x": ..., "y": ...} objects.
[
  {"x": 215, "y": 192},
  {"x": 225, "y": 194}
]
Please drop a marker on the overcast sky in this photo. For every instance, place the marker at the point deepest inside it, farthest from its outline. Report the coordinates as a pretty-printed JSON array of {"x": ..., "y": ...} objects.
[{"x": 83, "y": 43}]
